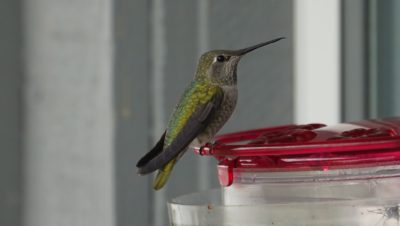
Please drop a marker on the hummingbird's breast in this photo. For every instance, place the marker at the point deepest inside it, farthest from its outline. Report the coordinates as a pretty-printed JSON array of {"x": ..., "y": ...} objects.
[{"x": 221, "y": 115}]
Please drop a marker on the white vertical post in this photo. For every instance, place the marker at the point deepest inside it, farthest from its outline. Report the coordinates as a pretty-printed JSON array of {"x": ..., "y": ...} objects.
[
  {"x": 68, "y": 113},
  {"x": 317, "y": 61}
]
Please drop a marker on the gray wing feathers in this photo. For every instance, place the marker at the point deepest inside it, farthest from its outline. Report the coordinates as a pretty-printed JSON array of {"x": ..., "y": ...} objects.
[
  {"x": 157, "y": 149},
  {"x": 194, "y": 126}
]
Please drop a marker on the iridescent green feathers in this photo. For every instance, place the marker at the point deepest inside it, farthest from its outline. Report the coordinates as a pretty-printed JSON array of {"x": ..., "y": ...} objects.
[
  {"x": 198, "y": 94},
  {"x": 189, "y": 119}
]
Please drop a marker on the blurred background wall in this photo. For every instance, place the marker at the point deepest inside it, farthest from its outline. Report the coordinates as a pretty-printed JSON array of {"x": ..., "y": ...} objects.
[{"x": 86, "y": 88}]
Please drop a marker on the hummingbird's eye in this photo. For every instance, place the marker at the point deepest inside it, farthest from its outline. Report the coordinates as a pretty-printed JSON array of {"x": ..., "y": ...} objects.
[{"x": 220, "y": 58}]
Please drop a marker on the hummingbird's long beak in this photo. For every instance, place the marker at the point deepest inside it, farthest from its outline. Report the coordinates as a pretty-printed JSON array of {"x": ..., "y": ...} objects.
[{"x": 242, "y": 52}]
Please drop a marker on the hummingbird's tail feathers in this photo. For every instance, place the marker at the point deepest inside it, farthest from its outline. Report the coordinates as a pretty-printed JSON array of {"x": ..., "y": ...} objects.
[
  {"x": 160, "y": 180},
  {"x": 163, "y": 158},
  {"x": 157, "y": 149},
  {"x": 163, "y": 175}
]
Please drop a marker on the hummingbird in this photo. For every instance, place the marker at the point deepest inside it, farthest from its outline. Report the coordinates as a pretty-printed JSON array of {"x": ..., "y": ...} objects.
[{"x": 205, "y": 106}]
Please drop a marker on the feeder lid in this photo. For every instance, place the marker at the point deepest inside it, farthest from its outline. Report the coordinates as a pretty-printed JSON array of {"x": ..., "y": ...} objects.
[{"x": 315, "y": 146}]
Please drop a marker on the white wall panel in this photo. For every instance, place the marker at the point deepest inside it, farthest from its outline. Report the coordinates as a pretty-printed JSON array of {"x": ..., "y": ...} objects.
[
  {"x": 317, "y": 61},
  {"x": 68, "y": 113}
]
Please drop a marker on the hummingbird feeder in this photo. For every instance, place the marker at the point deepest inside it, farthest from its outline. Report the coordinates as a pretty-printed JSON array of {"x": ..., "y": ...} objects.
[{"x": 312, "y": 174}]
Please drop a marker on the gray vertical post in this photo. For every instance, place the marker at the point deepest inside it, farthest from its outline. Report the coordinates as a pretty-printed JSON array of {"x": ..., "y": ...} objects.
[
  {"x": 68, "y": 113},
  {"x": 265, "y": 77},
  {"x": 158, "y": 51},
  {"x": 180, "y": 31},
  {"x": 10, "y": 120},
  {"x": 131, "y": 90},
  {"x": 354, "y": 60},
  {"x": 388, "y": 56},
  {"x": 206, "y": 166}
]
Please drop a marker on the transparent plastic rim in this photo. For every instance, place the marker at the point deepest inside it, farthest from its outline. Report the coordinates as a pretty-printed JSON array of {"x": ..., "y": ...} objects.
[{"x": 257, "y": 176}]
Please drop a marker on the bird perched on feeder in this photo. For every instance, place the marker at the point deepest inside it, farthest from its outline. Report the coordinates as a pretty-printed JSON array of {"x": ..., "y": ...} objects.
[{"x": 203, "y": 109}]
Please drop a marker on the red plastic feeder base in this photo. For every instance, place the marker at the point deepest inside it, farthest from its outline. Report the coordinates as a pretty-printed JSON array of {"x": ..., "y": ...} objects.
[{"x": 366, "y": 143}]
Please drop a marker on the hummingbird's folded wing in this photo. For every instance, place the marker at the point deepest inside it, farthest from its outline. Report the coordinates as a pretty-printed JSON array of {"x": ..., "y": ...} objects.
[{"x": 196, "y": 123}]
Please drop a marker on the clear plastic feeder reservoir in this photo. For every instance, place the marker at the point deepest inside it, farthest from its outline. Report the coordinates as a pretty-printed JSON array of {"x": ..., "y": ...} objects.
[{"x": 347, "y": 174}]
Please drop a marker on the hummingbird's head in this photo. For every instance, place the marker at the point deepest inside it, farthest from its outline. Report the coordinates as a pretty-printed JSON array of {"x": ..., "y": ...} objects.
[{"x": 219, "y": 66}]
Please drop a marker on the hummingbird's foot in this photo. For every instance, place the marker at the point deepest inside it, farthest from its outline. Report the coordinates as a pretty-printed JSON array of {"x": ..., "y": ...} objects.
[
  {"x": 201, "y": 151},
  {"x": 213, "y": 143},
  {"x": 204, "y": 149}
]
